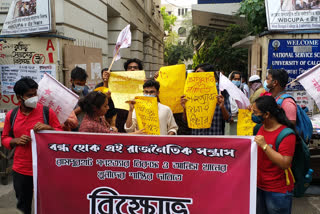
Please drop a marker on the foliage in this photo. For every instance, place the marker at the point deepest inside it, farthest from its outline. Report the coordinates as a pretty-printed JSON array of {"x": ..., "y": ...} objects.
[
  {"x": 200, "y": 35},
  {"x": 176, "y": 54},
  {"x": 255, "y": 13},
  {"x": 218, "y": 50},
  {"x": 168, "y": 20},
  {"x": 171, "y": 39},
  {"x": 174, "y": 51}
]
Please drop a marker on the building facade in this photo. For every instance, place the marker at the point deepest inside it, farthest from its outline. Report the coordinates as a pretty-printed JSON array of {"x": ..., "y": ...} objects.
[
  {"x": 97, "y": 24},
  {"x": 217, "y": 14},
  {"x": 183, "y": 14},
  {"x": 183, "y": 23}
]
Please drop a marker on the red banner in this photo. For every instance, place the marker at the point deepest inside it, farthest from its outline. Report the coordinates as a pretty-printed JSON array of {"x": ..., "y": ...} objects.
[{"x": 103, "y": 173}]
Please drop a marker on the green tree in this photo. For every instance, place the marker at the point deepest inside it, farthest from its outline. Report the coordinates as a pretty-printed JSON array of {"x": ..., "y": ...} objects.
[
  {"x": 176, "y": 54},
  {"x": 200, "y": 35},
  {"x": 168, "y": 20},
  {"x": 174, "y": 51},
  {"x": 218, "y": 50},
  {"x": 255, "y": 13}
]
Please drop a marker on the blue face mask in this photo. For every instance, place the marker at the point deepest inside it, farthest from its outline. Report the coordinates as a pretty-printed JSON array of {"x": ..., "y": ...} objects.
[
  {"x": 265, "y": 86},
  {"x": 237, "y": 83},
  {"x": 257, "y": 119},
  {"x": 78, "y": 88},
  {"x": 149, "y": 95}
]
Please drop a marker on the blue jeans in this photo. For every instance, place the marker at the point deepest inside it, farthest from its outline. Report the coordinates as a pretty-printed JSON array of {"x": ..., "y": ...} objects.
[{"x": 273, "y": 202}]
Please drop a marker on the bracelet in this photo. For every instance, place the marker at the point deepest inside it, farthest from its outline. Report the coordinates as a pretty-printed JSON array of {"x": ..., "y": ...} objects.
[{"x": 265, "y": 147}]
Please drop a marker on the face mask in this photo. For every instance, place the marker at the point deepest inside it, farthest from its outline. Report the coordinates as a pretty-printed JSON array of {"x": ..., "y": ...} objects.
[
  {"x": 78, "y": 89},
  {"x": 265, "y": 84},
  {"x": 149, "y": 95},
  {"x": 255, "y": 86},
  {"x": 31, "y": 102},
  {"x": 257, "y": 119},
  {"x": 237, "y": 83}
]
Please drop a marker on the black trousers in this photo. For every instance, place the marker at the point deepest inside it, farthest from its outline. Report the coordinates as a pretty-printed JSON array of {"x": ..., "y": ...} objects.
[{"x": 23, "y": 186}]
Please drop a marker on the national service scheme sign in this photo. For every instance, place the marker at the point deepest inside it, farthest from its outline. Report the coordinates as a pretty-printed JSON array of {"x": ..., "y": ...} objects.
[{"x": 296, "y": 56}]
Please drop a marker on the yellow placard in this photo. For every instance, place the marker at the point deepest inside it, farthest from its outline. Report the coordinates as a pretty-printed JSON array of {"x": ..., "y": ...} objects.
[
  {"x": 147, "y": 114},
  {"x": 245, "y": 124},
  {"x": 102, "y": 89},
  {"x": 172, "y": 80},
  {"x": 201, "y": 93},
  {"x": 126, "y": 85}
]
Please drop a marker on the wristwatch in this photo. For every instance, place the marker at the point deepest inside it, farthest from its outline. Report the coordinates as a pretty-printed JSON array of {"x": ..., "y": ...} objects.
[{"x": 265, "y": 147}]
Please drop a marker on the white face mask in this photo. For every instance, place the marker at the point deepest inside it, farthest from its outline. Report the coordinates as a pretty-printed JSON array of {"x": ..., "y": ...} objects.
[
  {"x": 149, "y": 95},
  {"x": 31, "y": 102}
]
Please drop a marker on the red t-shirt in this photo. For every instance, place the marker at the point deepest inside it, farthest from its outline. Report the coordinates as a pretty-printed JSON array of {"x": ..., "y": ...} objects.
[
  {"x": 22, "y": 162},
  {"x": 271, "y": 177}
]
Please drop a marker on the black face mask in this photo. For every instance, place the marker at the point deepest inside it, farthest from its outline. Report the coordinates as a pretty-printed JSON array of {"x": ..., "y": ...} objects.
[{"x": 257, "y": 119}]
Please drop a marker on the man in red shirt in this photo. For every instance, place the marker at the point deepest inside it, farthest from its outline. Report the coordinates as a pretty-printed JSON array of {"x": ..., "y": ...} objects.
[{"x": 29, "y": 116}]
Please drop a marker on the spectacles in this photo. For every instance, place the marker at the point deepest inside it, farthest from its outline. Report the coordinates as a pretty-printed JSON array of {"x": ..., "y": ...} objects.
[{"x": 133, "y": 67}]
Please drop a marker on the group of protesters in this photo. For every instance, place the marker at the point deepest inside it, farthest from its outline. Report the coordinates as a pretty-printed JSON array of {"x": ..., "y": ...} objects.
[{"x": 96, "y": 112}]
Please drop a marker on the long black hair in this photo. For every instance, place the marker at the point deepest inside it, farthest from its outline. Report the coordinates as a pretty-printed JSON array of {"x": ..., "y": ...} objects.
[
  {"x": 268, "y": 104},
  {"x": 92, "y": 102}
]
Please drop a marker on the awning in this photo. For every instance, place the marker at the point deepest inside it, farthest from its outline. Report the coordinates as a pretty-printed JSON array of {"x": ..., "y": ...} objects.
[
  {"x": 244, "y": 43},
  {"x": 217, "y": 16}
]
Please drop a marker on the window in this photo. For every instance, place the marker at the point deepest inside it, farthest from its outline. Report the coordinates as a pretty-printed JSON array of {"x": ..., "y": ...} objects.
[
  {"x": 182, "y": 32},
  {"x": 179, "y": 12}
]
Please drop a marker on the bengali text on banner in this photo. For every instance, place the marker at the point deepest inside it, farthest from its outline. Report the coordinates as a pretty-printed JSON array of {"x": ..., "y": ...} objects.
[{"x": 104, "y": 173}]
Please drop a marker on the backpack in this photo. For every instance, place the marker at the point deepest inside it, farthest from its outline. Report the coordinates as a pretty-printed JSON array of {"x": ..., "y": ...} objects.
[
  {"x": 13, "y": 116},
  {"x": 303, "y": 122},
  {"x": 300, "y": 163}
]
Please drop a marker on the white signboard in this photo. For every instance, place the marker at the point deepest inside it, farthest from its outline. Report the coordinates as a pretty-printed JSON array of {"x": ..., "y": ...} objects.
[
  {"x": 10, "y": 74},
  {"x": 285, "y": 15},
  {"x": 57, "y": 97},
  {"x": 28, "y": 16}
]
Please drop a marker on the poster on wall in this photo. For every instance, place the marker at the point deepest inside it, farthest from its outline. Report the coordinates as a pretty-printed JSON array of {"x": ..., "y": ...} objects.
[
  {"x": 10, "y": 74},
  {"x": 114, "y": 173},
  {"x": 304, "y": 100},
  {"x": 26, "y": 51},
  {"x": 90, "y": 59},
  {"x": 285, "y": 15},
  {"x": 295, "y": 56},
  {"x": 28, "y": 16}
]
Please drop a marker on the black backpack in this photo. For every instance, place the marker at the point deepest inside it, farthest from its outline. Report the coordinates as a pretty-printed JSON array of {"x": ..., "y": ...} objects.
[
  {"x": 13, "y": 116},
  {"x": 300, "y": 162}
]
